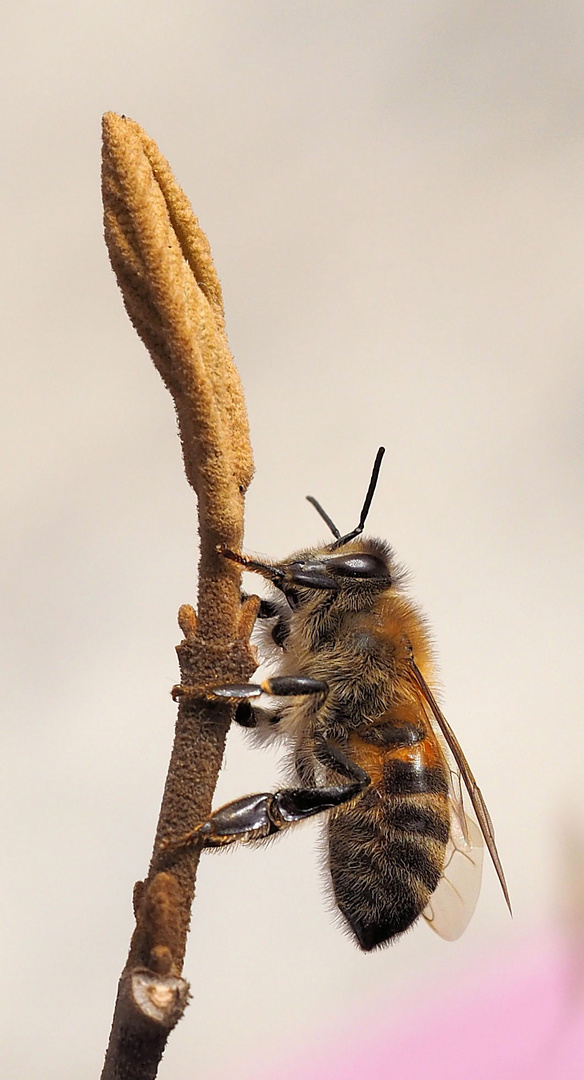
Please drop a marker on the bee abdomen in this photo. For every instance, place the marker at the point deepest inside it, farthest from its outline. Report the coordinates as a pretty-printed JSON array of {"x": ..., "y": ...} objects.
[{"x": 387, "y": 852}]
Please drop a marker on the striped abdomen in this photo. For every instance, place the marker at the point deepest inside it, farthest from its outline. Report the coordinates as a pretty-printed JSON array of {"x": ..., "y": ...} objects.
[{"x": 387, "y": 848}]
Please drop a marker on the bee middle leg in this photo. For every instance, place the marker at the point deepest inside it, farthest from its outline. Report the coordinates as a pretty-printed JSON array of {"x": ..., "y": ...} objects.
[{"x": 279, "y": 686}]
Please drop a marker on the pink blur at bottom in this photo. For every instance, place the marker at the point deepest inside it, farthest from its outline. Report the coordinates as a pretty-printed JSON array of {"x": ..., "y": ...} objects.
[{"x": 520, "y": 1019}]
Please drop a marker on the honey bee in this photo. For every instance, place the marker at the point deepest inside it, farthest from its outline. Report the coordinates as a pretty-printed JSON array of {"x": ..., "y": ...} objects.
[{"x": 371, "y": 748}]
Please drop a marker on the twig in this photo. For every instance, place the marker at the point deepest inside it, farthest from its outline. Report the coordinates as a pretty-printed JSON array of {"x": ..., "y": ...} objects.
[{"x": 172, "y": 294}]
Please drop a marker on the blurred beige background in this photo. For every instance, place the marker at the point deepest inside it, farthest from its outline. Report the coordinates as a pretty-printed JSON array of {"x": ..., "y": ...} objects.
[{"x": 394, "y": 195}]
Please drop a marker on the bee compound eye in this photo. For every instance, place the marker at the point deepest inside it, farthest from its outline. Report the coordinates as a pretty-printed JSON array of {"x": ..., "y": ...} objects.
[{"x": 359, "y": 565}]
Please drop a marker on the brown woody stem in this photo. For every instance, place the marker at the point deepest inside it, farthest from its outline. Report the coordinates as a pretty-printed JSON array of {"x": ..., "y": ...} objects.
[{"x": 172, "y": 294}]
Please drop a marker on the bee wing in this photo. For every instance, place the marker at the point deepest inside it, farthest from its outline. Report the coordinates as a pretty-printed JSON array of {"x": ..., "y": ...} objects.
[
  {"x": 453, "y": 902},
  {"x": 474, "y": 792}
]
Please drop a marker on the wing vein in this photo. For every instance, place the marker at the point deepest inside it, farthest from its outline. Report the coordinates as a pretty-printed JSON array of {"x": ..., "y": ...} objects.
[{"x": 475, "y": 794}]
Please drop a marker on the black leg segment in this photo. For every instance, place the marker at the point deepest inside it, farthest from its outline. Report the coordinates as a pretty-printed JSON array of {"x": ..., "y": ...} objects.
[
  {"x": 329, "y": 754},
  {"x": 293, "y": 686},
  {"x": 245, "y": 716},
  {"x": 280, "y": 686},
  {"x": 256, "y": 817}
]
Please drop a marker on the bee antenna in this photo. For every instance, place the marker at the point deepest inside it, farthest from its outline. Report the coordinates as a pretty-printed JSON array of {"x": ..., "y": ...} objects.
[
  {"x": 366, "y": 505},
  {"x": 324, "y": 516}
]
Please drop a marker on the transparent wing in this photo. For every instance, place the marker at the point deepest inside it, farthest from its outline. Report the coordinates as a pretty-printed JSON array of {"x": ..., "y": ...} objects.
[
  {"x": 474, "y": 792},
  {"x": 453, "y": 901}
]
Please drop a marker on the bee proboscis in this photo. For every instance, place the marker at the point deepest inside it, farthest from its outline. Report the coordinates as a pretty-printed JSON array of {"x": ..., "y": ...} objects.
[{"x": 350, "y": 691}]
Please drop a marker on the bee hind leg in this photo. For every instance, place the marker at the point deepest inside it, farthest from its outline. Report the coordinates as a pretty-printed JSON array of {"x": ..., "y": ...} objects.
[{"x": 257, "y": 817}]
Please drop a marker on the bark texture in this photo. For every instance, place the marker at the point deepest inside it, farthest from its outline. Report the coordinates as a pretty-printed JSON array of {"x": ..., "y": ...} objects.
[{"x": 171, "y": 291}]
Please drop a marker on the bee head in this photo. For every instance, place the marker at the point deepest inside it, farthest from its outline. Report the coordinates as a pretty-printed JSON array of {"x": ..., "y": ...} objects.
[
  {"x": 360, "y": 568},
  {"x": 354, "y": 566},
  {"x": 348, "y": 565}
]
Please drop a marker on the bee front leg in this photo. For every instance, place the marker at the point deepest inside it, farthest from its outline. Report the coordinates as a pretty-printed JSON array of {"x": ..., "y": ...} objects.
[{"x": 257, "y": 817}]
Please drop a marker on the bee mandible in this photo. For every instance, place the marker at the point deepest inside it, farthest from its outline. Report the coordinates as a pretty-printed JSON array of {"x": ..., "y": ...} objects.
[{"x": 371, "y": 748}]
